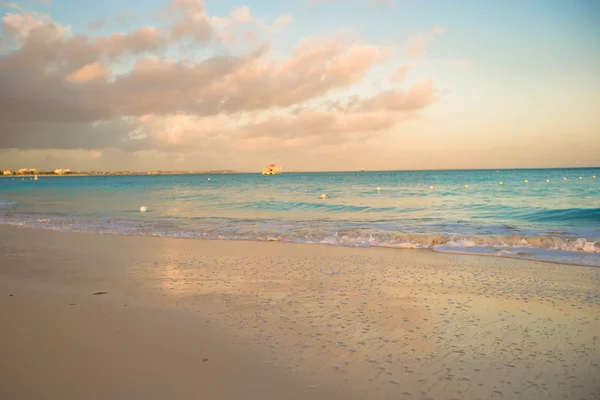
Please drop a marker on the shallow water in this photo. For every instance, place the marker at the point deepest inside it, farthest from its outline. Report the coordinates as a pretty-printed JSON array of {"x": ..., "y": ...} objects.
[{"x": 556, "y": 221}]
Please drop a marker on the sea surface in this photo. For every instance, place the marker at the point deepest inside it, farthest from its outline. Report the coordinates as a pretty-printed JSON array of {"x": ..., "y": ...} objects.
[{"x": 557, "y": 220}]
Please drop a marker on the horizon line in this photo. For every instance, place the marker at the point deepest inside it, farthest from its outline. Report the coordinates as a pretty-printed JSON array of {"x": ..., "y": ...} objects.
[{"x": 233, "y": 171}]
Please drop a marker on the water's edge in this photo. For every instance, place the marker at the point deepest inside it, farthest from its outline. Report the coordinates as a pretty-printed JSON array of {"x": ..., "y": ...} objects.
[
  {"x": 551, "y": 215},
  {"x": 552, "y": 256}
]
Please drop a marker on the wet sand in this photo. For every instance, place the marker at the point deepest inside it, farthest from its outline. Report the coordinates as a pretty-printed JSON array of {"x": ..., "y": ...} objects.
[{"x": 277, "y": 320}]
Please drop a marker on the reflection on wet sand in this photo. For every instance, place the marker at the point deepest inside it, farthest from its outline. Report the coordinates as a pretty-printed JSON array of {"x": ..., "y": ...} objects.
[{"x": 389, "y": 324}]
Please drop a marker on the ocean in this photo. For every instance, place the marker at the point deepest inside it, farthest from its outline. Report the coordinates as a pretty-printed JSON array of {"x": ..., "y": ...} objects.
[{"x": 533, "y": 214}]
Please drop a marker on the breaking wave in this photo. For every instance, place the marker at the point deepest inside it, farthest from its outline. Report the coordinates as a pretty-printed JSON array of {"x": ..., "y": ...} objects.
[{"x": 557, "y": 246}]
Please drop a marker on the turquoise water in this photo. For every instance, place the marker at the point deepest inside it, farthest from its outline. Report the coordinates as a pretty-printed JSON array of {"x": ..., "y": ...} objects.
[{"x": 557, "y": 220}]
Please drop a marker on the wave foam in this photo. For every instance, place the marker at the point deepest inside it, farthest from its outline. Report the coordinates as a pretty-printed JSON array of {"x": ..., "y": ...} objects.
[{"x": 555, "y": 247}]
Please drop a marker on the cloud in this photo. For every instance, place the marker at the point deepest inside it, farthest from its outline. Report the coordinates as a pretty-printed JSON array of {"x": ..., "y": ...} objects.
[
  {"x": 419, "y": 95},
  {"x": 121, "y": 91},
  {"x": 238, "y": 16},
  {"x": 399, "y": 75},
  {"x": 417, "y": 46},
  {"x": 279, "y": 24},
  {"x": 227, "y": 37},
  {"x": 146, "y": 39},
  {"x": 89, "y": 72},
  {"x": 312, "y": 127},
  {"x": 193, "y": 21},
  {"x": 250, "y": 36},
  {"x": 242, "y": 16},
  {"x": 18, "y": 26}
]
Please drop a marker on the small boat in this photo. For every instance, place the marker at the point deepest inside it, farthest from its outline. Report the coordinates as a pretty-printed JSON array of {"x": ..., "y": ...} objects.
[
  {"x": 35, "y": 178},
  {"x": 271, "y": 169}
]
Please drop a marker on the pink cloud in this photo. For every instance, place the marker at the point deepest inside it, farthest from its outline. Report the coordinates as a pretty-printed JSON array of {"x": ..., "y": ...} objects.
[
  {"x": 240, "y": 15},
  {"x": 193, "y": 21},
  {"x": 70, "y": 91},
  {"x": 89, "y": 72},
  {"x": 18, "y": 26},
  {"x": 227, "y": 37},
  {"x": 359, "y": 117},
  {"x": 399, "y": 75},
  {"x": 250, "y": 36},
  {"x": 417, "y": 46},
  {"x": 418, "y": 96}
]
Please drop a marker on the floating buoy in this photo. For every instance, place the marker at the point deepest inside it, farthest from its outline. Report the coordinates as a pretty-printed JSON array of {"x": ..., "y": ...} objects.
[
  {"x": 378, "y": 189},
  {"x": 430, "y": 187},
  {"x": 547, "y": 180},
  {"x": 323, "y": 196},
  {"x": 526, "y": 181},
  {"x": 580, "y": 178},
  {"x": 500, "y": 183},
  {"x": 466, "y": 186},
  {"x": 209, "y": 179},
  {"x": 142, "y": 209}
]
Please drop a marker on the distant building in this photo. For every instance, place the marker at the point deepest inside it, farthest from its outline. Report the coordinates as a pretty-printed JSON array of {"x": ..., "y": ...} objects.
[
  {"x": 26, "y": 171},
  {"x": 62, "y": 171},
  {"x": 7, "y": 172}
]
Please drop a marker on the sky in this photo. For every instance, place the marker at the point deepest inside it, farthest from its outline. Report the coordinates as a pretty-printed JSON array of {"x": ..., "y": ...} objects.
[{"x": 311, "y": 85}]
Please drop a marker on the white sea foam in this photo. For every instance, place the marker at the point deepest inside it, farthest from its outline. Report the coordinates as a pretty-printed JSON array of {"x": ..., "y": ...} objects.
[{"x": 548, "y": 247}]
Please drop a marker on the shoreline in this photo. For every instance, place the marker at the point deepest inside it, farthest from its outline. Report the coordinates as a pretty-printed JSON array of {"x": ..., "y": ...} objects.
[
  {"x": 334, "y": 171},
  {"x": 387, "y": 247},
  {"x": 332, "y": 322},
  {"x": 125, "y": 174}
]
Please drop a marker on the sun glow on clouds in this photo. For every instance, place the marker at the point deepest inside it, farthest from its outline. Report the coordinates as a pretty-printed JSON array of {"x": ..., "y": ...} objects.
[
  {"x": 89, "y": 72},
  {"x": 240, "y": 98}
]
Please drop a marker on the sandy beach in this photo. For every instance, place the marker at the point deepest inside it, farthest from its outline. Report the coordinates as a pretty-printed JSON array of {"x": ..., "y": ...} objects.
[{"x": 121, "y": 317}]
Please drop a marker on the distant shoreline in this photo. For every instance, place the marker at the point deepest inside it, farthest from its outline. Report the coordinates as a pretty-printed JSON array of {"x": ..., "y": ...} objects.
[
  {"x": 49, "y": 174},
  {"x": 226, "y": 172}
]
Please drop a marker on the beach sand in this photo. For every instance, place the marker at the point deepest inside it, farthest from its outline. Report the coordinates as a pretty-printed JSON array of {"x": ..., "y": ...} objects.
[{"x": 245, "y": 320}]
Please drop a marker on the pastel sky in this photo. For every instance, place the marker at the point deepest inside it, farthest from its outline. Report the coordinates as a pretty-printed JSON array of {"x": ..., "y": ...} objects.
[{"x": 308, "y": 84}]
